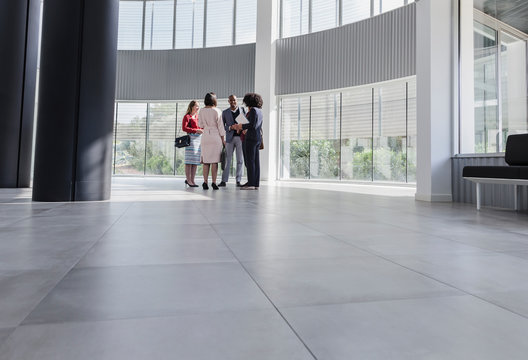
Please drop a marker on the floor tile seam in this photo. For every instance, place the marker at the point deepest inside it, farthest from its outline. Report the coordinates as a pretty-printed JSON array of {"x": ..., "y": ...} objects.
[
  {"x": 30, "y": 216},
  {"x": 181, "y": 264},
  {"x": 374, "y": 301},
  {"x": 442, "y": 237},
  {"x": 314, "y": 258},
  {"x": 267, "y": 297},
  {"x": 350, "y": 257},
  {"x": 173, "y": 315},
  {"x": 11, "y": 331},
  {"x": 67, "y": 271},
  {"x": 449, "y": 285},
  {"x": 470, "y": 245},
  {"x": 432, "y": 278}
]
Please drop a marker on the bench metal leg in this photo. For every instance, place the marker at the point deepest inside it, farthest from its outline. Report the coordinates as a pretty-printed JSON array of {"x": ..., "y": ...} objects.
[
  {"x": 478, "y": 196},
  {"x": 515, "y": 198}
]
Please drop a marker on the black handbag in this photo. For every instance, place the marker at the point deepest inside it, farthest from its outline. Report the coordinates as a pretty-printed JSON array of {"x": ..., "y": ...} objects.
[
  {"x": 182, "y": 141},
  {"x": 223, "y": 158}
]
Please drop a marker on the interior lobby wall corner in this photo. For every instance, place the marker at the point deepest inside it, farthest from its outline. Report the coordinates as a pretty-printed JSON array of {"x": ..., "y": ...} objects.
[{"x": 185, "y": 73}]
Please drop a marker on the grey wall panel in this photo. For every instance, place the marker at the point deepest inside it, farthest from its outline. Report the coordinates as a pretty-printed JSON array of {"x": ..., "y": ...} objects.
[
  {"x": 492, "y": 195},
  {"x": 373, "y": 50},
  {"x": 186, "y": 73}
]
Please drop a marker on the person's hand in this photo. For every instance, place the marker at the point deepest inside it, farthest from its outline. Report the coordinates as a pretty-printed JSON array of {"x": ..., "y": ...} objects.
[
  {"x": 244, "y": 132},
  {"x": 199, "y": 131},
  {"x": 224, "y": 142}
]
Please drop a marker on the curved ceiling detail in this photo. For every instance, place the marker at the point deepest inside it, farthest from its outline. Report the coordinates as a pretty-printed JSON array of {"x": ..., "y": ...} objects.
[{"x": 373, "y": 50}]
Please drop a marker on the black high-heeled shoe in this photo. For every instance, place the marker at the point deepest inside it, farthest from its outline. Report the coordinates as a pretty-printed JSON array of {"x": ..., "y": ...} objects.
[
  {"x": 187, "y": 183},
  {"x": 214, "y": 186},
  {"x": 205, "y": 186}
]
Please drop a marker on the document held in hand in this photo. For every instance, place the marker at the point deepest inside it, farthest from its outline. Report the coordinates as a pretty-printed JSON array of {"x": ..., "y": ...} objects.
[{"x": 241, "y": 119}]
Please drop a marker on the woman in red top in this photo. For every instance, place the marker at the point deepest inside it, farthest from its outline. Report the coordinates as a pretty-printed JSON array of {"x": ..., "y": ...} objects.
[{"x": 193, "y": 151}]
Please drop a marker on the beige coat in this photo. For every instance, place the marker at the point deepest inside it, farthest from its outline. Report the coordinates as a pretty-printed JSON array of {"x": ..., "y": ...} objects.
[{"x": 210, "y": 120}]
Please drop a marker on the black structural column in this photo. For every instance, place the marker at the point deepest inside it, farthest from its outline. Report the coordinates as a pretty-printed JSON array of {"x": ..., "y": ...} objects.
[
  {"x": 76, "y": 100},
  {"x": 19, "y": 25}
]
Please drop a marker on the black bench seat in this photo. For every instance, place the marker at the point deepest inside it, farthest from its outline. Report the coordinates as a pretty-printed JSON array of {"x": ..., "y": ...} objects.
[
  {"x": 497, "y": 172},
  {"x": 516, "y": 173}
]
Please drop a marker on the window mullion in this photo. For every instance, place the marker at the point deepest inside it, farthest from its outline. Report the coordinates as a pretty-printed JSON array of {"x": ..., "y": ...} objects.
[
  {"x": 309, "y": 17},
  {"x": 234, "y": 21},
  {"x": 205, "y": 24},
  {"x": 143, "y": 25},
  {"x": 174, "y": 25}
]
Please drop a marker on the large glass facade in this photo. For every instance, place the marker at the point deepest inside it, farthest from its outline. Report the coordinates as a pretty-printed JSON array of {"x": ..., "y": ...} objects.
[
  {"x": 185, "y": 24},
  {"x": 144, "y": 136},
  {"x": 366, "y": 133},
  {"x": 500, "y": 85},
  {"x": 300, "y": 17}
]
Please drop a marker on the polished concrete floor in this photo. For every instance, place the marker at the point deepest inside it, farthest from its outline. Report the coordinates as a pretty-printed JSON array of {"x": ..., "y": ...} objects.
[{"x": 286, "y": 272}]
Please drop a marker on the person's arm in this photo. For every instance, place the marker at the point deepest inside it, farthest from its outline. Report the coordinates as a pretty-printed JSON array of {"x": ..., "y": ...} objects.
[
  {"x": 185, "y": 125},
  {"x": 224, "y": 120},
  {"x": 252, "y": 118},
  {"x": 221, "y": 129}
]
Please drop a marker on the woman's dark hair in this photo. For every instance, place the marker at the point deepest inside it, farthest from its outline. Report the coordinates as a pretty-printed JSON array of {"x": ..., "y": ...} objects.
[
  {"x": 253, "y": 100},
  {"x": 210, "y": 99}
]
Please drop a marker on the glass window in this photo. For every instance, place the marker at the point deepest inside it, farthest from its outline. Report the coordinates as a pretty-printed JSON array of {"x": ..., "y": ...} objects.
[
  {"x": 246, "y": 21},
  {"x": 130, "y": 29},
  {"x": 389, "y": 130},
  {"x": 365, "y": 133},
  {"x": 130, "y": 128},
  {"x": 325, "y": 14},
  {"x": 159, "y": 22},
  {"x": 355, "y": 10},
  {"x": 411, "y": 132},
  {"x": 486, "y": 100},
  {"x": 325, "y": 126},
  {"x": 160, "y": 142},
  {"x": 295, "y": 138},
  {"x": 189, "y": 24},
  {"x": 381, "y": 6},
  {"x": 294, "y": 17},
  {"x": 356, "y": 136},
  {"x": 513, "y": 86},
  {"x": 219, "y": 23},
  {"x": 179, "y": 156}
]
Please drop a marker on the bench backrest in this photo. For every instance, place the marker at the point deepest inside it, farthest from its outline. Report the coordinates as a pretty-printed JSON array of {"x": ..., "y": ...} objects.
[{"x": 517, "y": 150}]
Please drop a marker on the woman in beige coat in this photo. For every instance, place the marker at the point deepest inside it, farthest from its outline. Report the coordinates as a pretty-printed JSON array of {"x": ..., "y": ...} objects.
[{"x": 213, "y": 138}]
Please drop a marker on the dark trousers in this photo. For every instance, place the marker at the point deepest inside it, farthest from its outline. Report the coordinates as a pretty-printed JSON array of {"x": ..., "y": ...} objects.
[{"x": 252, "y": 162}]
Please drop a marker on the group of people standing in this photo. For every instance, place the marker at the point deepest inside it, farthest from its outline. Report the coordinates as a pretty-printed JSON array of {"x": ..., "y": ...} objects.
[{"x": 211, "y": 130}]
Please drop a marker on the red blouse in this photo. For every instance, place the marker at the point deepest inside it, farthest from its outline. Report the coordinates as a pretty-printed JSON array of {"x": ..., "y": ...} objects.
[{"x": 190, "y": 124}]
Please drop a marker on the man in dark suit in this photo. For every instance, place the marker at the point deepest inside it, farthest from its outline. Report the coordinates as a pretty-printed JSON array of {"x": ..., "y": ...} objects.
[{"x": 233, "y": 141}]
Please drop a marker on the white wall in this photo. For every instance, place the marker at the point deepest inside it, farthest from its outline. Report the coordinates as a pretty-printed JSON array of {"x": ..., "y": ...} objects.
[
  {"x": 435, "y": 21},
  {"x": 265, "y": 55}
]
